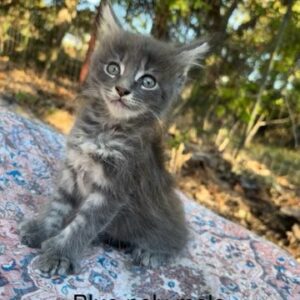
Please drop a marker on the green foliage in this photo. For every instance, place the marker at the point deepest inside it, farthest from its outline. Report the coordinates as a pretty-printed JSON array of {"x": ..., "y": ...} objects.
[
  {"x": 178, "y": 137},
  {"x": 246, "y": 49},
  {"x": 32, "y": 31}
]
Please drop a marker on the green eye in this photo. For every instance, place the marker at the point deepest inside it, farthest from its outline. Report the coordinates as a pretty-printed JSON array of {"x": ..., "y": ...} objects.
[
  {"x": 148, "y": 82},
  {"x": 113, "y": 69}
]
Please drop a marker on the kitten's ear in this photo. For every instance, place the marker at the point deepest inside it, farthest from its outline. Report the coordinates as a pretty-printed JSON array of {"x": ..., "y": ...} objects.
[
  {"x": 108, "y": 22},
  {"x": 190, "y": 54}
]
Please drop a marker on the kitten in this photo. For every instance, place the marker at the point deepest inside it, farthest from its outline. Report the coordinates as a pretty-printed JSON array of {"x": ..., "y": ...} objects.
[{"x": 113, "y": 182}]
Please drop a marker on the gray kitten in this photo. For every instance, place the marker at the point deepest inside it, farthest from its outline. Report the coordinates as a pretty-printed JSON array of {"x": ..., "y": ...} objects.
[{"x": 113, "y": 183}]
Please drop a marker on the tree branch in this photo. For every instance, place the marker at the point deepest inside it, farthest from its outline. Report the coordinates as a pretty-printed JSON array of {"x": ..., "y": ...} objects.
[
  {"x": 228, "y": 14},
  {"x": 250, "y": 24},
  {"x": 277, "y": 42},
  {"x": 274, "y": 122}
]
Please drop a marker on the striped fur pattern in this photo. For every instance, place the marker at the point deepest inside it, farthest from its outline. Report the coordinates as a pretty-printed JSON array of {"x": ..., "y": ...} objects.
[{"x": 113, "y": 183}]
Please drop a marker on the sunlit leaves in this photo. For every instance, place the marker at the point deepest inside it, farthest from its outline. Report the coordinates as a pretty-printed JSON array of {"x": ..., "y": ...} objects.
[{"x": 233, "y": 73}]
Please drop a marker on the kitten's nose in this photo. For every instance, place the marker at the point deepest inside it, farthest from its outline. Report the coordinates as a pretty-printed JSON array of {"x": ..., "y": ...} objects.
[{"x": 122, "y": 91}]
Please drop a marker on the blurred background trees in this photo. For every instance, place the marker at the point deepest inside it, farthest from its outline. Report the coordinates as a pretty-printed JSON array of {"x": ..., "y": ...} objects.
[{"x": 249, "y": 88}]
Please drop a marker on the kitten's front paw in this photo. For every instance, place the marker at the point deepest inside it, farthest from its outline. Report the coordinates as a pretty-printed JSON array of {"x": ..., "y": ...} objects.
[
  {"x": 54, "y": 260},
  {"x": 149, "y": 259},
  {"x": 31, "y": 233},
  {"x": 54, "y": 264}
]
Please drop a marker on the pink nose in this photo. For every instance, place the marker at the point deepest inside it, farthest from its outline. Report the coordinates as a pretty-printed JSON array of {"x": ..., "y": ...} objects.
[{"x": 122, "y": 91}]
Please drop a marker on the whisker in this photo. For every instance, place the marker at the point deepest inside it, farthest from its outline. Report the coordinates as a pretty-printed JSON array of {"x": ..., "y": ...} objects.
[{"x": 198, "y": 65}]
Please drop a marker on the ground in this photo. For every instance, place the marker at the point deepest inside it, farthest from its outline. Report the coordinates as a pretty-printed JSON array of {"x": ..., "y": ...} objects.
[{"x": 260, "y": 190}]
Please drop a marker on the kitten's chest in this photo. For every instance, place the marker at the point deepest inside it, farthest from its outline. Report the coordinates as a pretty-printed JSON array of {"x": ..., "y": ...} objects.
[
  {"x": 95, "y": 159},
  {"x": 88, "y": 173}
]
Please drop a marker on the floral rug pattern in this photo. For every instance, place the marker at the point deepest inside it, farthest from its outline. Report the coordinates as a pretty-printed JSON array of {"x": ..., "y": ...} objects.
[{"x": 221, "y": 261}]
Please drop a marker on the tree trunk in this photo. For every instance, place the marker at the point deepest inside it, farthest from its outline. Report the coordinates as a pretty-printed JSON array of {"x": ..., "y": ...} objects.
[
  {"x": 160, "y": 27},
  {"x": 86, "y": 64},
  {"x": 252, "y": 128},
  {"x": 292, "y": 119}
]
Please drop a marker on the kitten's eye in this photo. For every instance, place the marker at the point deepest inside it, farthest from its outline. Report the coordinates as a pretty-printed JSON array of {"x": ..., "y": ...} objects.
[
  {"x": 113, "y": 69},
  {"x": 148, "y": 82}
]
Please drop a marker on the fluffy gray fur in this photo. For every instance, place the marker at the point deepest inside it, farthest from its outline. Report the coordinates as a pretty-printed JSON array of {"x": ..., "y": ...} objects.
[{"x": 113, "y": 183}]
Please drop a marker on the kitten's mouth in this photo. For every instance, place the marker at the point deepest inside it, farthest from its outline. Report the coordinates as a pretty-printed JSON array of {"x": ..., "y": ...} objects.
[
  {"x": 119, "y": 102},
  {"x": 120, "y": 107}
]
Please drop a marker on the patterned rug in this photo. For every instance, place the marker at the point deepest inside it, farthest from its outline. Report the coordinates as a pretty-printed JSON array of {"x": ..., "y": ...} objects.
[{"x": 221, "y": 261}]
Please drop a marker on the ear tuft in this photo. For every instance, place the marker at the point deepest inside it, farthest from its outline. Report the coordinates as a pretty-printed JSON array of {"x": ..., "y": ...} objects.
[
  {"x": 108, "y": 22},
  {"x": 189, "y": 55}
]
